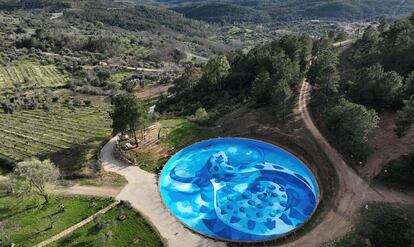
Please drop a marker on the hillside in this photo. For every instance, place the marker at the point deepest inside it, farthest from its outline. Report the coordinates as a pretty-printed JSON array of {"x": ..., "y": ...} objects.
[
  {"x": 60, "y": 60},
  {"x": 279, "y": 10},
  {"x": 221, "y": 12}
]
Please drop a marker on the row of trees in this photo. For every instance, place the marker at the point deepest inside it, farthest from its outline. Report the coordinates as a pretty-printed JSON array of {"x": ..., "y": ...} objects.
[
  {"x": 18, "y": 101},
  {"x": 350, "y": 124},
  {"x": 380, "y": 79},
  {"x": 58, "y": 40},
  {"x": 386, "y": 79},
  {"x": 267, "y": 74},
  {"x": 391, "y": 45}
]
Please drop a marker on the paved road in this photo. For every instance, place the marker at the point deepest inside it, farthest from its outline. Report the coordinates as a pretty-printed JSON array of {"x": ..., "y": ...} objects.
[{"x": 142, "y": 192}]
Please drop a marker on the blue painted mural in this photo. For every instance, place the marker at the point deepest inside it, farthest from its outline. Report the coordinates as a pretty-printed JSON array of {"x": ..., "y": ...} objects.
[{"x": 238, "y": 189}]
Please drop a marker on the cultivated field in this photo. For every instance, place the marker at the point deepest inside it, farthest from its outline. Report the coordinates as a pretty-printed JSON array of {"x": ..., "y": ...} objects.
[
  {"x": 36, "y": 132},
  {"x": 30, "y": 75}
]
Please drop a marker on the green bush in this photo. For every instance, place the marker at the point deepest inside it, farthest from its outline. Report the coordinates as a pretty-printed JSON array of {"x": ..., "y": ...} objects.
[
  {"x": 398, "y": 173},
  {"x": 351, "y": 126},
  {"x": 381, "y": 225},
  {"x": 201, "y": 115},
  {"x": 384, "y": 226}
]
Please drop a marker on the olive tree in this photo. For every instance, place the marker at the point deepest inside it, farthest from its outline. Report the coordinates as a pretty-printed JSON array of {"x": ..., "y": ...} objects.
[{"x": 34, "y": 176}]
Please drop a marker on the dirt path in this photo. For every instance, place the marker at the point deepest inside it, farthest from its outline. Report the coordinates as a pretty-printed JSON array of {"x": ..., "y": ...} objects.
[
  {"x": 153, "y": 90},
  {"x": 191, "y": 56},
  {"x": 99, "y": 191},
  {"x": 142, "y": 192},
  {"x": 74, "y": 227},
  {"x": 56, "y": 15},
  {"x": 58, "y": 55},
  {"x": 352, "y": 192},
  {"x": 137, "y": 68}
]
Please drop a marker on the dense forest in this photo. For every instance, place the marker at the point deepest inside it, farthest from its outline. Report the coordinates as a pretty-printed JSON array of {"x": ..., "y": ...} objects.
[
  {"x": 383, "y": 75},
  {"x": 374, "y": 76}
]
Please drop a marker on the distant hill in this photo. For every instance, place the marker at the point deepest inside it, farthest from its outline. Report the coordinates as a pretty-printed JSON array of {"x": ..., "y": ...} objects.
[
  {"x": 284, "y": 10},
  {"x": 221, "y": 12},
  {"x": 126, "y": 14}
]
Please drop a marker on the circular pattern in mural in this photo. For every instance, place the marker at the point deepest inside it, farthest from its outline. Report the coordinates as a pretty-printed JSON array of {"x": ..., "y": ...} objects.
[{"x": 238, "y": 189}]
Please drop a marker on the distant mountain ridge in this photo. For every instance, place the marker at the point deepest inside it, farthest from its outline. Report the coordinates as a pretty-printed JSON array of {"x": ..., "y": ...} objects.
[{"x": 285, "y": 10}]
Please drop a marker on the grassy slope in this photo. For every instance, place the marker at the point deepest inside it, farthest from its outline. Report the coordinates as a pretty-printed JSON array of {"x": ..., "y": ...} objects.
[
  {"x": 26, "y": 222},
  {"x": 176, "y": 134},
  {"x": 129, "y": 232},
  {"x": 181, "y": 133}
]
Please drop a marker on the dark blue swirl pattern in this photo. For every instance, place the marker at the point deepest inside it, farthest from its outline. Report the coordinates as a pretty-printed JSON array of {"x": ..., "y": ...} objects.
[{"x": 238, "y": 189}]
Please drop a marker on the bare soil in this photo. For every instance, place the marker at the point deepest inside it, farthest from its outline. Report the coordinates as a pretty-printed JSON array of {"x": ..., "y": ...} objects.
[
  {"x": 386, "y": 146},
  {"x": 150, "y": 144},
  {"x": 152, "y": 90}
]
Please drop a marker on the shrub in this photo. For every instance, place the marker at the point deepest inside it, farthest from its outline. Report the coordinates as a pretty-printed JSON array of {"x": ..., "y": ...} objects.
[
  {"x": 101, "y": 221},
  {"x": 126, "y": 204},
  {"x": 87, "y": 102},
  {"x": 201, "y": 115},
  {"x": 399, "y": 173},
  {"x": 384, "y": 226}
]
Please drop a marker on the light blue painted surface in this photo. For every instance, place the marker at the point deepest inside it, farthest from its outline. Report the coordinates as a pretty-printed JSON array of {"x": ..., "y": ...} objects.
[{"x": 238, "y": 189}]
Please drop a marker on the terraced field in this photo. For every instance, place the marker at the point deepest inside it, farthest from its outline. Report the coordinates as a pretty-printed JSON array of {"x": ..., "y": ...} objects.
[
  {"x": 36, "y": 132},
  {"x": 30, "y": 75}
]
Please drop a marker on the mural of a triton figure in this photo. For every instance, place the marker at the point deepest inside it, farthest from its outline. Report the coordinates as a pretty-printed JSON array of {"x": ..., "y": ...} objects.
[{"x": 238, "y": 189}]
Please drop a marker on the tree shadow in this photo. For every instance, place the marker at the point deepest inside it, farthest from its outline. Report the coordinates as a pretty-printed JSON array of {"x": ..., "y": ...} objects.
[
  {"x": 93, "y": 230},
  {"x": 70, "y": 239}
]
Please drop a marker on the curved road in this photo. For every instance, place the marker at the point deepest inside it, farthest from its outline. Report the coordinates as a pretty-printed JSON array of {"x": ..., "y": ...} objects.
[
  {"x": 142, "y": 192},
  {"x": 352, "y": 191}
]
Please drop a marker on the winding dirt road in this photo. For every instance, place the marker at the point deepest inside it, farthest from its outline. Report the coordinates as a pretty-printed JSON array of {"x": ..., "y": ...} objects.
[{"x": 352, "y": 192}]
